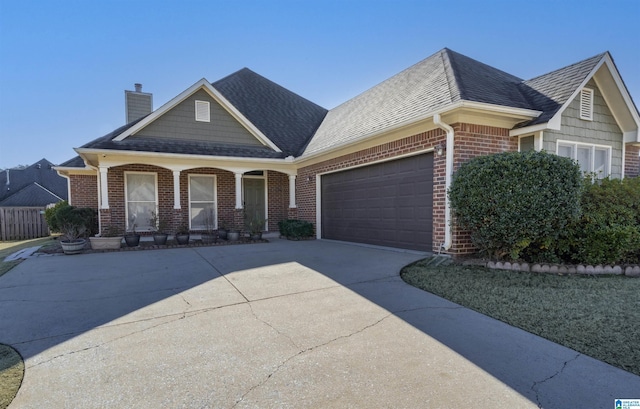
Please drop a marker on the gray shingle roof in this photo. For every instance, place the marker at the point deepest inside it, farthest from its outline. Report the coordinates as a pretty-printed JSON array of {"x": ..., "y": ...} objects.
[
  {"x": 75, "y": 162},
  {"x": 297, "y": 125},
  {"x": 41, "y": 173},
  {"x": 442, "y": 79},
  {"x": 287, "y": 119},
  {"x": 32, "y": 195},
  {"x": 550, "y": 91}
]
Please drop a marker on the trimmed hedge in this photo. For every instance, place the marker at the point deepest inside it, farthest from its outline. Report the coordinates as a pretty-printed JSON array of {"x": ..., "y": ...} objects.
[
  {"x": 514, "y": 201},
  {"x": 295, "y": 229},
  {"x": 608, "y": 230}
]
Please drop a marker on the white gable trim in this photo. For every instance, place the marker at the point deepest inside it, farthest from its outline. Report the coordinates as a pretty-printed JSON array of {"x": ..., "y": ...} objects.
[{"x": 205, "y": 85}]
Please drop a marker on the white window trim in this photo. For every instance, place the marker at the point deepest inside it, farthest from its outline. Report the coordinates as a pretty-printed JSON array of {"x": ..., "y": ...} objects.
[
  {"x": 126, "y": 199},
  {"x": 593, "y": 146},
  {"x": 586, "y": 105},
  {"x": 215, "y": 201},
  {"x": 203, "y": 111}
]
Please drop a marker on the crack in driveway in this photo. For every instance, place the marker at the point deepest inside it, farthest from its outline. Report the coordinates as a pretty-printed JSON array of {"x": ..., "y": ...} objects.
[
  {"x": 535, "y": 385},
  {"x": 304, "y": 351}
]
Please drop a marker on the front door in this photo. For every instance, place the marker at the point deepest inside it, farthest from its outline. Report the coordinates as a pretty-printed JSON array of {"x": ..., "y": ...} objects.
[{"x": 254, "y": 201}]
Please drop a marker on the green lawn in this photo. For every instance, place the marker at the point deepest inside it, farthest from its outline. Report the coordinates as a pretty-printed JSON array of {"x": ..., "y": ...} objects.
[
  {"x": 9, "y": 247},
  {"x": 598, "y": 316}
]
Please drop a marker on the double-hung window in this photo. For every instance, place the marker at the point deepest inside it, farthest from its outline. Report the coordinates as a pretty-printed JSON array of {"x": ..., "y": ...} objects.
[
  {"x": 202, "y": 202},
  {"x": 141, "y": 197},
  {"x": 591, "y": 158}
]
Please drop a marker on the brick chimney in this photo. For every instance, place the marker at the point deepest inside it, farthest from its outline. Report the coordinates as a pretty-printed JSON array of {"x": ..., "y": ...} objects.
[{"x": 137, "y": 103}]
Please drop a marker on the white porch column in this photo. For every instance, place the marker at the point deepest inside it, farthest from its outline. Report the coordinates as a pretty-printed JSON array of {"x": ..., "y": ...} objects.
[
  {"x": 292, "y": 191},
  {"x": 176, "y": 189},
  {"x": 104, "y": 188},
  {"x": 239, "y": 191}
]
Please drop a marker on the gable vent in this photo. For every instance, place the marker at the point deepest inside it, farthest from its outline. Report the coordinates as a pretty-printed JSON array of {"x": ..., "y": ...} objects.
[
  {"x": 586, "y": 104},
  {"x": 202, "y": 111}
]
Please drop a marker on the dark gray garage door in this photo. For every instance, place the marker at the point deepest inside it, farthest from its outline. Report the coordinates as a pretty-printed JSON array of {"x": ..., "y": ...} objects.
[{"x": 386, "y": 204}]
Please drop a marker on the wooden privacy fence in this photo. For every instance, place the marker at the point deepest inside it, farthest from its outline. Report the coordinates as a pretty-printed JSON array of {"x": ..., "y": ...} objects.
[{"x": 22, "y": 223}]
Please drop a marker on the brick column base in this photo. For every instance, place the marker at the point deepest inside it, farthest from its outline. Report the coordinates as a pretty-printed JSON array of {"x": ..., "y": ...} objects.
[
  {"x": 292, "y": 213},
  {"x": 104, "y": 218},
  {"x": 177, "y": 220}
]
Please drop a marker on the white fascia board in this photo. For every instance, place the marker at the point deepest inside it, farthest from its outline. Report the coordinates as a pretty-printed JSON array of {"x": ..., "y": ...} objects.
[
  {"x": 527, "y": 113},
  {"x": 206, "y": 85},
  {"x": 529, "y": 129},
  {"x": 613, "y": 70},
  {"x": 137, "y": 154},
  {"x": 499, "y": 109}
]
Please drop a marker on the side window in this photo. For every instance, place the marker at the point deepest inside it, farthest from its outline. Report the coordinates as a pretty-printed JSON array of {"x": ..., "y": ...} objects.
[
  {"x": 591, "y": 158},
  {"x": 526, "y": 144}
]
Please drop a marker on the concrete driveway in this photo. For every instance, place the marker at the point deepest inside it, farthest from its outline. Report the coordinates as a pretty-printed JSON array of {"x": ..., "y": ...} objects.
[{"x": 278, "y": 325}]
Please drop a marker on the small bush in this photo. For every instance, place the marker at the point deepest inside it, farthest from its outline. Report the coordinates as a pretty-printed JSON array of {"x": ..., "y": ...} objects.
[
  {"x": 295, "y": 229},
  {"x": 512, "y": 202},
  {"x": 608, "y": 230},
  {"x": 63, "y": 214},
  {"x": 50, "y": 216}
]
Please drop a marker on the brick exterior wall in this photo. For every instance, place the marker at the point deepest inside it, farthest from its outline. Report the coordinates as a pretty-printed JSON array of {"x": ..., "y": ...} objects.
[
  {"x": 278, "y": 194},
  {"x": 470, "y": 141},
  {"x": 632, "y": 161},
  {"x": 84, "y": 191}
]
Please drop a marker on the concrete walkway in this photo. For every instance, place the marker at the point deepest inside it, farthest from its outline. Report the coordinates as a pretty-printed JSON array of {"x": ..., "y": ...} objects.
[{"x": 277, "y": 325}]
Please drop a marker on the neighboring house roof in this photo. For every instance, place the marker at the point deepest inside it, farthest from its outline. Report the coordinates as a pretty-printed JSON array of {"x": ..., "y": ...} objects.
[
  {"x": 25, "y": 187},
  {"x": 75, "y": 162},
  {"x": 33, "y": 195}
]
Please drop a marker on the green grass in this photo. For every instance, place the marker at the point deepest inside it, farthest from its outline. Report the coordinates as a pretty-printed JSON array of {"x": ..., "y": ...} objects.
[
  {"x": 9, "y": 247},
  {"x": 11, "y": 374},
  {"x": 598, "y": 316}
]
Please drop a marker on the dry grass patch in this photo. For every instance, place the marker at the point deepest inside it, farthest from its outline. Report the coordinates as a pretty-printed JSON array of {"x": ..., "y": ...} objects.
[
  {"x": 9, "y": 247},
  {"x": 11, "y": 374}
]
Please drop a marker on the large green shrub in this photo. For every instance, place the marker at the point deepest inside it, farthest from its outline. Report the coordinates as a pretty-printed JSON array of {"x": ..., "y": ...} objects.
[
  {"x": 511, "y": 202},
  {"x": 63, "y": 215},
  {"x": 295, "y": 229},
  {"x": 608, "y": 230}
]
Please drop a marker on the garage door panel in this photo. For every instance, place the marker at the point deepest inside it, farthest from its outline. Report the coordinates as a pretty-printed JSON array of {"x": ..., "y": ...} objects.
[{"x": 388, "y": 204}]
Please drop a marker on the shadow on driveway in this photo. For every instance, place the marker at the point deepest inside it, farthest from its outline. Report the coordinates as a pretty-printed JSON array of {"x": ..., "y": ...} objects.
[{"x": 46, "y": 301}]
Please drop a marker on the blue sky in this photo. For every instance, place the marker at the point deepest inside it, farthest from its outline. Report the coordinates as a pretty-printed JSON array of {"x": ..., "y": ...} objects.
[{"x": 64, "y": 65}]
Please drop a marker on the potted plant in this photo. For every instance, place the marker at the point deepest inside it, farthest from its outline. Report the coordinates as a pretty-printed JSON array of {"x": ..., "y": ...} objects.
[
  {"x": 222, "y": 231},
  {"x": 233, "y": 235},
  {"x": 255, "y": 226},
  {"x": 72, "y": 241},
  {"x": 132, "y": 238},
  {"x": 209, "y": 235},
  {"x": 160, "y": 233},
  {"x": 182, "y": 235},
  {"x": 110, "y": 238}
]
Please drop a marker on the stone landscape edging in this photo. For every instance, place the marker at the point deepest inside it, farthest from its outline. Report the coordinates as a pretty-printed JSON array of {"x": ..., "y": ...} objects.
[{"x": 629, "y": 271}]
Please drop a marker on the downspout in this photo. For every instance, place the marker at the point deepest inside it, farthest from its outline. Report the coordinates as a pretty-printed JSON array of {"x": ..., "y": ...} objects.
[{"x": 447, "y": 180}]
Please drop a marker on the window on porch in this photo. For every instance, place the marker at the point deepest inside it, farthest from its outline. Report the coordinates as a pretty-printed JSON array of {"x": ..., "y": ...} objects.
[
  {"x": 202, "y": 202},
  {"x": 141, "y": 199}
]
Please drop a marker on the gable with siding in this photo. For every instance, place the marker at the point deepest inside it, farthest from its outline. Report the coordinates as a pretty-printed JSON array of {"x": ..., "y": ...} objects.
[
  {"x": 179, "y": 123},
  {"x": 602, "y": 130}
]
